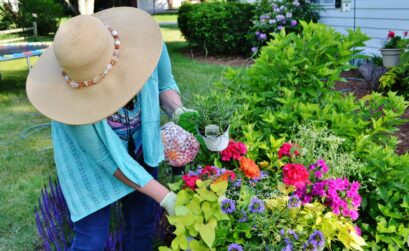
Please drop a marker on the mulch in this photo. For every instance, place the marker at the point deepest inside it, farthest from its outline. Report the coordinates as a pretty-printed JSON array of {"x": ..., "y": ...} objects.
[{"x": 355, "y": 84}]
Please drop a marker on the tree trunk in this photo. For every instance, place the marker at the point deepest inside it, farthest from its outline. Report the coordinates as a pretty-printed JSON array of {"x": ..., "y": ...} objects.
[{"x": 86, "y": 7}]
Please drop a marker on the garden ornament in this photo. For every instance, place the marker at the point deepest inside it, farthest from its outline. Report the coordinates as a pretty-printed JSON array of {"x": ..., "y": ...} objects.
[{"x": 96, "y": 64}]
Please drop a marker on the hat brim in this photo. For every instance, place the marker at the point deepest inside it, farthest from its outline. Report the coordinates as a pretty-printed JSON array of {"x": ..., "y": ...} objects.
[{"x": 141, "y": 46}]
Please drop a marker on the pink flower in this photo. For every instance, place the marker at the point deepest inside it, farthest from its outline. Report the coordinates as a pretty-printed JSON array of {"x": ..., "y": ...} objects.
[
  {"x": 391, "y": 34},
  {"x": 190, "y": 181},
  {"x": 287, "y": 150},
  {"x": 234, "y": 151},
  {"x": 358, "y": 230},
  {"x": 295, "y": 175},
  {"x": 405, "y": 33}
]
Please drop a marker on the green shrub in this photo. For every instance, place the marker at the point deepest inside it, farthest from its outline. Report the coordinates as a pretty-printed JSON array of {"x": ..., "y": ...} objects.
[
  {"x": 48, "y": 14},
  {"x": 217, "y": 27},
  {"x": 7, "y": 17},
  {"x": 396, "y": 79}
]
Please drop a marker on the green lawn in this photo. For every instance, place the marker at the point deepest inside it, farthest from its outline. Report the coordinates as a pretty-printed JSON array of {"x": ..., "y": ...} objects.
[
  {"x": 165, "y": 17},
  {"x": 26, "y": 159}
]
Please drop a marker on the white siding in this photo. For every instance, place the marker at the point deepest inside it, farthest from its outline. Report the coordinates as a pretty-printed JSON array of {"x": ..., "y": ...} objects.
[{"x": 374, "y": 17}]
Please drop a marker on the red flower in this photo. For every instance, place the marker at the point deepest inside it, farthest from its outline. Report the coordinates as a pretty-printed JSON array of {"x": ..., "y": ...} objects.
[
  {"x": 405, "y": 33},
  {"x": 190, "y": 181},
  {"x": 295, "y": 175},
  {"x": 391, "y": 34},
  {"x": 208, "y": 170},
  {"x": 285, "y": 150},
  {"x": 233, "y": 151}
]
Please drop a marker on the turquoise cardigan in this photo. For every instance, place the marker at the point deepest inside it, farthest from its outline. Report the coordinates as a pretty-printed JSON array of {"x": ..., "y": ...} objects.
[{"x": 86, "y": 156}]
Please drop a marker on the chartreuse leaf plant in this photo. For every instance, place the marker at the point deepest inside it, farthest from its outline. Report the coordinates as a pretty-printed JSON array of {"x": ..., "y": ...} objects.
[{"x": 198, "y": 214}]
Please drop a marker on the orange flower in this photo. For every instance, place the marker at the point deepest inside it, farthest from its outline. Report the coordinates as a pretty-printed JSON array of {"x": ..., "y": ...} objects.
[{"x": 249, "y": 167}]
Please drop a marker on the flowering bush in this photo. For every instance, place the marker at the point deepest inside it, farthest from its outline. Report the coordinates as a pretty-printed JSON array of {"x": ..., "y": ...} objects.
[
  {"x": 287, "y": 207},
  {"x": 393, "y": 41},
  {"x": 280, "y": 15}
]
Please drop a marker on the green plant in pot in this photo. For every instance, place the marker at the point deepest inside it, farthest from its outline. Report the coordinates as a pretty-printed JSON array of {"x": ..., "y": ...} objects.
[
  {"x": 392, "y": 50},
  {"x": 212, "y": 125}
]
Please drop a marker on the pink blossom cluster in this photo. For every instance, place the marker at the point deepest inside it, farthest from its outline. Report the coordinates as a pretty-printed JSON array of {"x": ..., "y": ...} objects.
[
  {"x": 339, "y": 194},
  {"x": 234, "y": 151}
]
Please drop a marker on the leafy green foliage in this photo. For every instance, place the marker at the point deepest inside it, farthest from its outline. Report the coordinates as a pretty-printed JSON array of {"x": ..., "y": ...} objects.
[
  {"x": 396, "y": 79},
  {"x": 217, "y": 27},
  {"x": 308, "y": 63},
  {"x": 197, "y": 214}
]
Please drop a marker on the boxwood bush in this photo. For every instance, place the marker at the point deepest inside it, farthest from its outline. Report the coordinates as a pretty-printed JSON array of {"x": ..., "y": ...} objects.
[{"x": 217, "y": 27}]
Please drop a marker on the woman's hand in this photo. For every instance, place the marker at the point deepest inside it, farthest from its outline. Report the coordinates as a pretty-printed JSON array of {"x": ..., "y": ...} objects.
[{"x": 168, "y": 203}]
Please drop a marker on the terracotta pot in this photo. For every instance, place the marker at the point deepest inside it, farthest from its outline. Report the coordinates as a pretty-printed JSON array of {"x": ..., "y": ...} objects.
[{"x": 391, "y": 57}]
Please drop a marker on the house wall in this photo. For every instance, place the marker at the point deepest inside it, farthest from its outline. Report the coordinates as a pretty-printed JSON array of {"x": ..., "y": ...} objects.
[{"x": 374, "y": 17}]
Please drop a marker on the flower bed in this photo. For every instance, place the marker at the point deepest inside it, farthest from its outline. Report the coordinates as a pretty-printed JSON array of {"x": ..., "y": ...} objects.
[{"x": 241, "y": 205}]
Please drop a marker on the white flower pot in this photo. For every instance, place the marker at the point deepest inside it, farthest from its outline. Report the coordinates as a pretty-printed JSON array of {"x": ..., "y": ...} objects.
[
  {"x": 390, "y": 57},
  {"x": 217, "y": 143}
]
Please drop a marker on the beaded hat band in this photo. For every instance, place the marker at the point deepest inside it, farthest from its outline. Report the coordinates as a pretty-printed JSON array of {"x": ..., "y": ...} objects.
[{"x": 108, "y": 67}]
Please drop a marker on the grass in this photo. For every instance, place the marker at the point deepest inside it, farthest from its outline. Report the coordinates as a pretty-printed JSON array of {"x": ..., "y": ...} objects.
[
  {"x": 166, "y": 17},
  {"x": 27, "y": 162}
]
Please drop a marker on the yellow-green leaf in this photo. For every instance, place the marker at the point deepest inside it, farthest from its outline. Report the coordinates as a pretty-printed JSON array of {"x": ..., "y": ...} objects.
[
  {"x": 219, "y": 188},
  {"x": 207, "y": 232}
]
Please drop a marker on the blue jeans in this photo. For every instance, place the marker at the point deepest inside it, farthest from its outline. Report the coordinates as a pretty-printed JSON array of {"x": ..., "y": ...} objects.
[{"x": 91, "y": 232}]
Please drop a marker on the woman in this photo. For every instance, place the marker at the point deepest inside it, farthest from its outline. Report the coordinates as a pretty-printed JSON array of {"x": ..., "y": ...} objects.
[{"x": 102, "y": 83}]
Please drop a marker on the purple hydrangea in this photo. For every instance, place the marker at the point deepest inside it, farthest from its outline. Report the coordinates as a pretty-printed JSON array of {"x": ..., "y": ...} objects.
[
  {"x": 254, "y": 50},
  {"x": 263, "y": 36},
  {"x": 272, "y": 21},
  {"x": 296, "y": 3},
  {"x": 294, "y": 23},
  {"x": 256, "y": 205},
  {"x": 228, "y": 206},
  {"x": 280, "y": 27},
  {"x": 235, "y": 247},
  {"x": 294, "y": 201}
]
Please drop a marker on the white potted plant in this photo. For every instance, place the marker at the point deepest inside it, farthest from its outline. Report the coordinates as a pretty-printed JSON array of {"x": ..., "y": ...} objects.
[
  {"x": 391, "y": 51},
  {"x": 215, "y": 110}
]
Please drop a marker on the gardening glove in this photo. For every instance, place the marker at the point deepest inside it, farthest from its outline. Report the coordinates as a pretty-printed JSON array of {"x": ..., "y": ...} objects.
[
  {"x": 179, "y": 111},
  {"x": 188, "y": 119},
  {"x": 168, "y": 203}
]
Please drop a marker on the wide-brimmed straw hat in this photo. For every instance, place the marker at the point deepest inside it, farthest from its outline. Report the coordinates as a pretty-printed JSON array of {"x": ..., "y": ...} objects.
[{"x": 95, "y": 66}]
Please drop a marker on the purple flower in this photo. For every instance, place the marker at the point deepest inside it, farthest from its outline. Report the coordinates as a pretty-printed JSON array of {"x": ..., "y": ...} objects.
[
  {"x": 235, "y": 247},
  {"x": 358, "y": 230},
  {"x": 292, "y": 232},
  {"x": 257, "y": 33},
  {"x": 288, "y": 245},
  {"x": 243, "y": 216},
  {"x": 289, "y": 15},
  {"x": 256, "y": 205},
  {"x": 280, "y": 18},
  {"x": 280, "y": 27},
  {"x": 316, "y": 240},
  {"x": 282, "y": 232},
  {"x": 294, "y": 202},
  {"x": 272, "y": 21},
  {"x": 254, "y": 50},
  {"x": 294, "y": 23},
  {"x": 318, "y": 174},
  {"x": 228, "y": 206},
  {"x": 263, "y": 36}
]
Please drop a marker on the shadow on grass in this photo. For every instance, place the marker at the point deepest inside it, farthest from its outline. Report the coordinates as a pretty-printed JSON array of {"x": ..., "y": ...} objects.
[{"x": 13, "y": 81}]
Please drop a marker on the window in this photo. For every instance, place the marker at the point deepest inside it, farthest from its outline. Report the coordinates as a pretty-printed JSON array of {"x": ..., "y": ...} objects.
[{"x": 330, "y": 3}]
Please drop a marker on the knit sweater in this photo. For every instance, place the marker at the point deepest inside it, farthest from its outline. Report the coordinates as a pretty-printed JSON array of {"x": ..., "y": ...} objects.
[{"x": 87, "y": 156}]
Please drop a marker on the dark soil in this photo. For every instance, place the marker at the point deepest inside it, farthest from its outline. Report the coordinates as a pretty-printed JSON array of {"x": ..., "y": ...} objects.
[{"x": 354, "y": 84}]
